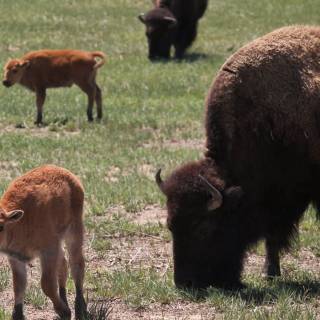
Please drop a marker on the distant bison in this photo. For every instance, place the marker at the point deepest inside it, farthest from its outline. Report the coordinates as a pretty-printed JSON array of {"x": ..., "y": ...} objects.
[
  {"x": 43, "y": 69},
  {"x": 262, "y": 166},
  {"x": 172, "y": 22}
]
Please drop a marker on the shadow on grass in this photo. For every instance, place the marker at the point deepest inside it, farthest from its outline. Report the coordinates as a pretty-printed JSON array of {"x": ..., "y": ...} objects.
[
  {"x": 271, "y": 293},
  {"x": 188, "y": 58}
]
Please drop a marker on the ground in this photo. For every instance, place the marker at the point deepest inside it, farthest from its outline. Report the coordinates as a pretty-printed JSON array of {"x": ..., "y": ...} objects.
[{"x": 153, "y": 118}]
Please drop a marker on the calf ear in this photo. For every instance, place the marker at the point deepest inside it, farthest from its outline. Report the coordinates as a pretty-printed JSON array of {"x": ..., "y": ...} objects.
[
  {"x": 25, "y": 64},
  {"x": 14, "y": 216},
  {"x": 142, "y": 17}
]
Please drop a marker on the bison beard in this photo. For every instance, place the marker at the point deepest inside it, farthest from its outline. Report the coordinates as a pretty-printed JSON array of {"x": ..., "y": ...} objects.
[{"x": 263, "y": 136}]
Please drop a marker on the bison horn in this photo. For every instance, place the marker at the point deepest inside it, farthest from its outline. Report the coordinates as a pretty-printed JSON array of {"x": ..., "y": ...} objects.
[
  {"x": 172, "y": 20},
  {"x": 142, "y": 17},
  {"x": 217, "y": 199},
  {"x": 159, "y": 181}
]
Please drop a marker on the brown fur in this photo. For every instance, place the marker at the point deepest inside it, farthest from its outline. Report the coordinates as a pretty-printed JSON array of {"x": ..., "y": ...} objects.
[
  {"x": 263, "y": 137},
  {"x": 52, "y": 201},
  {"x": 43, "y": 69}
]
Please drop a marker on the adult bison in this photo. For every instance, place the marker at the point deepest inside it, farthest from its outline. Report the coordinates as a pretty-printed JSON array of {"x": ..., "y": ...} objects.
[
  {"x": 262, "y": 165},
  {"x": 172, "y": 22}
]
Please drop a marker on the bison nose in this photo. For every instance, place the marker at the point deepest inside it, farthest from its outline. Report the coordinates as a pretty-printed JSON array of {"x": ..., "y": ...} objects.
[{"x": 6, "y": 83}]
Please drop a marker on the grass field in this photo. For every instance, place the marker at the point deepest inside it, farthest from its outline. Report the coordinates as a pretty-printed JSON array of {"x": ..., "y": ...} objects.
[{"x": 153, "y": 119}]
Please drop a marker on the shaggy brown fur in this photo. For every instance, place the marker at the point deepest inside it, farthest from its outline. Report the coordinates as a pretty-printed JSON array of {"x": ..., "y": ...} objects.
[
  {"x": 263, "y": 137},
  {"x": 43, "y": 69},
  {"x": 172, "y": 22},
  {"x": 37, "y": 212}
]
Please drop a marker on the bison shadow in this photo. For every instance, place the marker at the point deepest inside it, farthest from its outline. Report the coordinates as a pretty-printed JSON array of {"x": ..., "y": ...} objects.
[
  {"x": 305, "y": 289},
  {"x": 189, "y": 58}
]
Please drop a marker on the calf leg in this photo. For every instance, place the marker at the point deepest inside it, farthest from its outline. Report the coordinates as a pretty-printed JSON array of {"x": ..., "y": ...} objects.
[
  {"x": 90, "y": 90},
  {"x": 63, "y": 276},
  {"x": 99, "y": 102},
  {"x": 40, "y": 99},
  {"x": 49, "y": 281},
  {"x": 19, "y": 274},
  {"x": 74, "y": 242}
]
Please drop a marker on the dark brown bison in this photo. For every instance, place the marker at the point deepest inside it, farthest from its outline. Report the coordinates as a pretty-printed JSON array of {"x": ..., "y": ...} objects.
[
  {"x": 262, "y": 165},
  {"x": 172, "y": 22}
]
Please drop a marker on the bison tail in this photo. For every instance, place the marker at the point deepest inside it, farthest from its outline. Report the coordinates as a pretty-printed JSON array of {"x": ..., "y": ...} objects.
[{"x": 102, "y": 59}]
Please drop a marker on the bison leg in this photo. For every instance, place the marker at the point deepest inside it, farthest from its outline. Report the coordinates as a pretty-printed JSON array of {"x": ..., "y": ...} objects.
[
  {"x": 272, "y": 262},
  {"x": 74, "y": 242},
  {"x": 19, "y": 274},
  {"x": 40, "y": 99},
  {"x": 99, "y": 102},
  {"x": 49, "y": 281},
  {"x": 185, "y": 36}
]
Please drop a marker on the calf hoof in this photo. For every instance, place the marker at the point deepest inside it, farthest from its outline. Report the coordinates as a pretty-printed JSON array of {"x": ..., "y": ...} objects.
[
  {"x": 17, "y": 313},
  {"x": 64, "y": 314},
  {"x": 81, "y": 312}
]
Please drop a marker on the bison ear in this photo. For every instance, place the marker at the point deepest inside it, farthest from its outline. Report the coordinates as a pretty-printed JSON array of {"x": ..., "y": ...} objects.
[
  {"x": 142, "y": 18},
  {"x": 216, "y": 198},
  {"x": 14, "y": 216},
  {"x": 171, "y": 20},
  {"x": 233, "y": 196},
  {"x": 25, "y": 64}
]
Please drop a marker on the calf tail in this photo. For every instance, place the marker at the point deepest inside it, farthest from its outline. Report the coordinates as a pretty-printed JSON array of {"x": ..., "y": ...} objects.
[{"x": 101, "y": 61}]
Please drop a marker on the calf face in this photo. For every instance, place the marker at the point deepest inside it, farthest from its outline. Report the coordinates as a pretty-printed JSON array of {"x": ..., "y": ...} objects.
[
  {"x": 160, "y": 29},
  {"x": 13, "y": 71},
  {"x": 202, "y": 222}
]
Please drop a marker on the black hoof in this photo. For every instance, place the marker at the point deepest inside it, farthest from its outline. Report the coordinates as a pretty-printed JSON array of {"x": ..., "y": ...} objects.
[{"x": 17, "y": 313}]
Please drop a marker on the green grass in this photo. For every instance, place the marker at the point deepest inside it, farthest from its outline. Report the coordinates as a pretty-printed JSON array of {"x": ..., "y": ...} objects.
[{"x": 146, "y": 107}]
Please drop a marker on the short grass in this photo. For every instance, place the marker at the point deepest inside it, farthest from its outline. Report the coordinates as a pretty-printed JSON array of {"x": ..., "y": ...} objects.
[{"x": 153, "y": 119}]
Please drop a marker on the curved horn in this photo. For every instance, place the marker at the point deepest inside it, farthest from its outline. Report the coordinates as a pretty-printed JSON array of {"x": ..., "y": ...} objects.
[
  {"x": 217, "y": 199},
  {"x": 159, "y": 181},
  {"x": 141, "y": 17},
  {"x": 170, "y": 19}
]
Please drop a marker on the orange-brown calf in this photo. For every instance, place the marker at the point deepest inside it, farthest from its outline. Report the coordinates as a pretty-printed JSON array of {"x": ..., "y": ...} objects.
[
  {"x": 38, "y": 212},
  {"x": 43, "y": 69}
]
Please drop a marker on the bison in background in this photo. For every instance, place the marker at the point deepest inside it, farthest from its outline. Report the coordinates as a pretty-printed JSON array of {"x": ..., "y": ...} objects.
[
  {"x": 172, "y": 22},
  {"x": 262, "y": 164}
]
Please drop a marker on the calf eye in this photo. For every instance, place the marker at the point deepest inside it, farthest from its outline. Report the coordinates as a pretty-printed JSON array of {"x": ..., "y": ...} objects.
[
  {"x": 14, "y": 71},
  {"x": 1, "y": 228}
]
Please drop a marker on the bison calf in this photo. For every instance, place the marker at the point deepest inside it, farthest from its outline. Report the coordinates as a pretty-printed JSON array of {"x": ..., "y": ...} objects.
[
  {"x": 172, "y": 22},
  {"x": 37, "y": 212},
  {"x": 43, "y": 69}
]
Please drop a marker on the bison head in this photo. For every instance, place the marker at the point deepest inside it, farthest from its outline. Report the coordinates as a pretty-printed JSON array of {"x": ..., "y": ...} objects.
[
  {"x": 160, "y": 28},
  {"x": 202, "y": 217},
  {"x": 13, "y": 71}
]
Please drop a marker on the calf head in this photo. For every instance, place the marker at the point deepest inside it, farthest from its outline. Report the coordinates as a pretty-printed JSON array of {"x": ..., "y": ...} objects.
[
  {"x": 7, "y": 218},
  {"x": 202, "y": 219},
  {"x": 160, "y": 28},
  {"x": 13, "y": 71}
]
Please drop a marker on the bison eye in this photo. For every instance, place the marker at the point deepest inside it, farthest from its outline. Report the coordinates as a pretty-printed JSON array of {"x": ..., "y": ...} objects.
[{"x": 1, "y": 228}]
